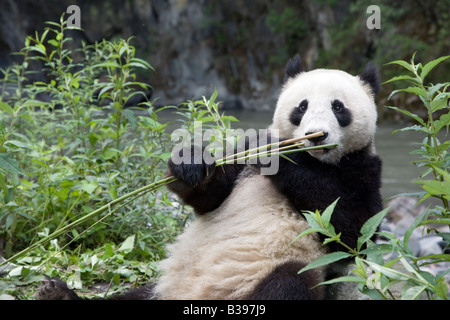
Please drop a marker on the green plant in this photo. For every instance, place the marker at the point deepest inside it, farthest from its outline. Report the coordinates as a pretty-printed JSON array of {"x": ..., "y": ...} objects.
[
  {"x": 375, "y": 269},
  {"x": 288, "y": 25},
  {"x": 78, "y": 149}
]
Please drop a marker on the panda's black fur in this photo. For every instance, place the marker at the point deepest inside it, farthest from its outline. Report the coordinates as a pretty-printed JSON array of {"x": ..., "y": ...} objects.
[{"x": 305, "y": 183}]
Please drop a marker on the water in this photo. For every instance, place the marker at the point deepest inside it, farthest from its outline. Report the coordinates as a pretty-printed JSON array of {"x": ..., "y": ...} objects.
[{"x": 394, "y": 149}]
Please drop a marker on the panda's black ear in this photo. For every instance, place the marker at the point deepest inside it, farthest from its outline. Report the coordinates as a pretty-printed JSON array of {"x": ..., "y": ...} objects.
[
  {"x": 293, "y": 67},
  {"x": 371, "y": 76}
]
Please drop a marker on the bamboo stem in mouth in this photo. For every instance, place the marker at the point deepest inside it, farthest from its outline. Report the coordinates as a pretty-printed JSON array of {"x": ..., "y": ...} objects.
[{"x": 241, "y": 154}]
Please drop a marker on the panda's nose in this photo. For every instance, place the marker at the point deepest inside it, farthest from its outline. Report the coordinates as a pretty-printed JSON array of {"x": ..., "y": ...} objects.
[{"x": 317, "y": 139}]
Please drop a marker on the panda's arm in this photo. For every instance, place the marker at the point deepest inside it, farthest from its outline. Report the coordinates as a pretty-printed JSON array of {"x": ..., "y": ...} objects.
[{"x": 203, "y": 186}]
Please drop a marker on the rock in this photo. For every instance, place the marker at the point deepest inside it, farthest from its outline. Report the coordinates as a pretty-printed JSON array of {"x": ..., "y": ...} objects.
[
  {"x": 402, "y": 207},
  {"x": 430, "y": 245}
]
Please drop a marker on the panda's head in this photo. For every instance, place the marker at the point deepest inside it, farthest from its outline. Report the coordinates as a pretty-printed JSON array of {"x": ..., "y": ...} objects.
[{"x": 332, "y": 101}]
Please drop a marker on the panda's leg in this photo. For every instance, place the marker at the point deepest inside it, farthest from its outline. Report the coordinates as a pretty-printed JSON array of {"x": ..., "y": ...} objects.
[
  {"x": 284, "y": 283},
  {"x": 55, "y": 289}
]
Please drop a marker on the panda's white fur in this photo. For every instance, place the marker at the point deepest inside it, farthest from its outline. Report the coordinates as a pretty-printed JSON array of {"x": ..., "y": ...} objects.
[
  {"x": 320, "y": 87},
  {"x": 225, "y": 253}
]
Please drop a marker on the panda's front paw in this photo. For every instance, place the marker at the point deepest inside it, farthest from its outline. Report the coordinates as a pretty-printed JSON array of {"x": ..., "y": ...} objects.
[
  {"x": 55, "y": 289},
  {"x": 190, "y": 167}
]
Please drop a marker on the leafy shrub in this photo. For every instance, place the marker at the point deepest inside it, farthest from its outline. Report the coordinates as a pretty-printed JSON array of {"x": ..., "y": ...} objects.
[
  {"x": 70, "y": 144},
  {"x": 379, "y": 267}
]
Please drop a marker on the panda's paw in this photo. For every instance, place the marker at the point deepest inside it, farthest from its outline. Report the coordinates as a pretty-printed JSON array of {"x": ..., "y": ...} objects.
[
  {"x": 55, "y": 289},
  {"x": 266, "y": 161},
  {"x": 192, "y": 168}
]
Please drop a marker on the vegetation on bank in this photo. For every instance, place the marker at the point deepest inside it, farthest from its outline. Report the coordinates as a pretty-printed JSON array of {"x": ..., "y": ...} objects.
[{"x": 71, "y": 148}]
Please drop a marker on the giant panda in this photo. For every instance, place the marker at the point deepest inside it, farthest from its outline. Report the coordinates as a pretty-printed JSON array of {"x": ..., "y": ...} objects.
[{"x": 239, "y": 244}]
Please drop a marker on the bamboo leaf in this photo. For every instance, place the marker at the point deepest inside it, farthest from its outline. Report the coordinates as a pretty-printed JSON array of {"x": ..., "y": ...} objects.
[
  {"x": 5, "y": 107},
  {"x": 326, "y": 215},
  {"x": 344, "y": 279},
  {"x": 409, "y": 114},
  {"x": 430, "y": 66},
  {"x": 412, "y": 227},
  {"x": 370, "y": 227},
  {"x": 304, "y": 233},
  {"x": 413, "y": 293},
  {"x": 9, "y": 164},
  {"x": 326, "y": 259},
  {"x": 390, "y": 273},
  {"x": 128, "y": 245},
  {"x": 403, "y": 77},
  {"x": 402, "y": 63}
]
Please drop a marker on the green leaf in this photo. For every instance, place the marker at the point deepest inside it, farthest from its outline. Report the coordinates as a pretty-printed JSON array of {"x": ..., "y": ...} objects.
[
  {"x": 326, "y": 259},
  {"x": 370, "y": 227},
  {"x": 443, "y": 173},
  {"x": 18, "y": 144},
  {"x": 377, "y": 249},
  {"x": 9, "y": 164},
  {"x": 416, "y": 90},
  {"x": 112, "y": 65},
  {"x": 443, "y": 121},
  {"x": 5, "y": 107},
  {"x": 143, "y": 62},
  {"x": 412, "y": 227},
  {"x": 108, "y": 251},
  {"x": 89, "y": 186},
  {"x": 430, "y": 65},
  {"x": 390, "y": 273},
  {"x": 402, "y": 63},
  {"x": 326, "y": 215},
  {"x": 440, "y": 102},
  {"x": 440, "y": 289},
  {"x": 404, "y": 77},
  {"x": 436, "y": 187},
  {"x": 410, "y": 114},
  {"x": 413, "y": 293},
  {"x": 304, "y": 233},
  {"x": 112, "y": 192},
  {"x": 344, "y": 279},
  {"x": 127, "y": 245}
]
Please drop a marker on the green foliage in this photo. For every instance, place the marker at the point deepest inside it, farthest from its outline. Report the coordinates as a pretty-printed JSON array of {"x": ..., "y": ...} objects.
[
  {"x": 380, "y": 267},
  {"x": 288, "y": 25},
  {"x": 79, "y": 149},
  {"x": 434, "y": 153}
]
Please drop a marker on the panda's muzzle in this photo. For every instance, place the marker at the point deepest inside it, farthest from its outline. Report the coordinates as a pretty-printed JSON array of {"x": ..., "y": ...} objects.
[{"x": 317, "y": 140}]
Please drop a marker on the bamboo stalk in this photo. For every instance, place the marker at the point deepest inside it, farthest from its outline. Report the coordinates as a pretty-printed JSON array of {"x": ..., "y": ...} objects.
[
  {"x": 57, "y": 233},
  {"x": 245, "y": 155},
  {"x": 270, "y": 145}
]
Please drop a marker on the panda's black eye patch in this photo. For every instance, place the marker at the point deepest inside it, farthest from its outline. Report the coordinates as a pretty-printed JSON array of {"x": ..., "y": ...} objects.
[
  {"x": 298, "y": 112},
  {"x": 342, "y": 114}
]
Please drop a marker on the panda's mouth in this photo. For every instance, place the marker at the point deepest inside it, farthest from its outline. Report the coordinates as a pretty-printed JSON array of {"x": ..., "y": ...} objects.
[{"x": 319, "y": 152}]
